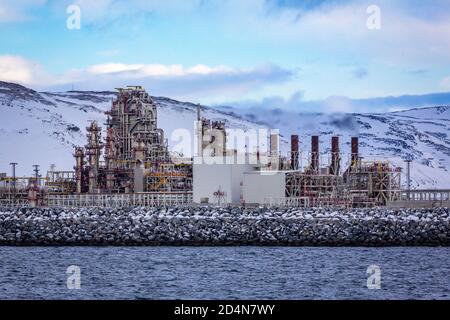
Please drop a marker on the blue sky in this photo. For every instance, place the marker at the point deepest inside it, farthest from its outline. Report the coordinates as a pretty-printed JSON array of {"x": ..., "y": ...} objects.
[{"x": 235, "y": 51}]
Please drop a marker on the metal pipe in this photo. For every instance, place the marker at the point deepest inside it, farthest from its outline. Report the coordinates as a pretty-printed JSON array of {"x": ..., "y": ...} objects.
[
  {"x": 36, "y": 173},
  {"x": 14, "y": 164},
  {"x": 408, "y": 179}
]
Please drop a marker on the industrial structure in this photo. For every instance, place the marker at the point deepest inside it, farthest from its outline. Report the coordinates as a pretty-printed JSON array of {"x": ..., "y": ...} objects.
[
  {"x": 132, "y": 159},
  {"x": 361, "y": 184},
  {"x": 136, "y": 157},
  {"x": 132, "y": 166}
]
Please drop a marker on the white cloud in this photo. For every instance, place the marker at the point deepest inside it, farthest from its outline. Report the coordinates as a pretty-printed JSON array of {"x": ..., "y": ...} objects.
[
  {"x": 101, "y": 10},
  {"x": 338, "y": 104},
  {"x": 17, "y": 69},
  {"x": 410, "y": 29},
  {"x": 172, "y": 80},
  {"x": 160, "y": 70},
  {"x": 445, "y": 83},
  {"x": 405, "y": 36},
  {"x": 8, "y": 14},
  {"x": 109, "y": 68},
  {"x": 334, "y": 27},
  {"x": 12, "y": 11},
  {"x": 209, "y": 83}
]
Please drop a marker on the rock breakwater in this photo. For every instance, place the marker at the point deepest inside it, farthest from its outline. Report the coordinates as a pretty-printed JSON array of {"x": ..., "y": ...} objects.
[{"x": 225, "y": 226}]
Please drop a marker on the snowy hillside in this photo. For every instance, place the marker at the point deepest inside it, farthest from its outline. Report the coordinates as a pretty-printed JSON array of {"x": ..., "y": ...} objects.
[{"x": 43, "y": 128}]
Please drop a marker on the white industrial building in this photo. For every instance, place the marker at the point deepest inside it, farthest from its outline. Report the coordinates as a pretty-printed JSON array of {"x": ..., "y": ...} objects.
[
  {"x": 221, "y": 181},
  {"x": 218, "y": 180},
  {"x": 262, "y": 187},
  {"x": 230, "y": 176}
]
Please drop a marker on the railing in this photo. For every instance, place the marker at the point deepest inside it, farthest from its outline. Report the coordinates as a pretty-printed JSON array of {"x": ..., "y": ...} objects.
[
  {"x": 119, "y": 200},
  {"x": 14, "y": 203},
  {"x": 423, "y": 199},
  {"x": 426, "y": 195},
  {"x": 288, "y": 202}
]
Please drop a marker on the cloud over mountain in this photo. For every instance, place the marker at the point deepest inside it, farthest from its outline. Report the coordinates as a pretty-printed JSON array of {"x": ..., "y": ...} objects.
[{"x": 174, "y": 80}]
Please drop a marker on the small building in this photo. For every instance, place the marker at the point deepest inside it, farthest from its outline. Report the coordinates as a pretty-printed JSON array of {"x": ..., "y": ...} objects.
[
  {"x": 224, "y": 180},
  {"x": 219, "y": 180}
]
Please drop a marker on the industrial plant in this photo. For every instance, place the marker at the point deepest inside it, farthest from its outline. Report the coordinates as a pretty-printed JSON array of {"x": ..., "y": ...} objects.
[{"x": 127, "y": 163}]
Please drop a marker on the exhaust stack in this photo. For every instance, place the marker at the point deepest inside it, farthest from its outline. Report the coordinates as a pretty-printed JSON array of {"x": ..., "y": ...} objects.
[
  {"x": 315, "y": 153},
  {"x": 335, "y": 157},
  {"x": 294, "y": 152},
  {"x": 355, "y": 151},
  {"x": 274, "y": 149}
]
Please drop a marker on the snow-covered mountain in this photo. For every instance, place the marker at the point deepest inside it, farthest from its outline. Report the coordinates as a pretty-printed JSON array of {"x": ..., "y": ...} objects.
[{"x": 43, "y": 127}]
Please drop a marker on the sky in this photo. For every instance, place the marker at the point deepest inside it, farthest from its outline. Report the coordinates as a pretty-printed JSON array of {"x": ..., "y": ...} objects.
[{"x": 268, "y": 53}]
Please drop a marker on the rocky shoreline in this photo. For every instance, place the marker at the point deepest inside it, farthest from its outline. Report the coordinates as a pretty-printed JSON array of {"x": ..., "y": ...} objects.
[{"x": 209, "y": 226}]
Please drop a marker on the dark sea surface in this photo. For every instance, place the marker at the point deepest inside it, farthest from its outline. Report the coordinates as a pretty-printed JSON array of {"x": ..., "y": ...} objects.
[{"x": 223, "y": 273}]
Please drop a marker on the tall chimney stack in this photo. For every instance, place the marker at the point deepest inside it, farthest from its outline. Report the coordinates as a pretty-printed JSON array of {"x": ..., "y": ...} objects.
[
  {"x": 315, "y": 153},
  {"x": 274, "y": 140},
  {"x": 335, "y": 157},
  {"x": 355, "y": 151},
  {"x": 294, "y": 152}
]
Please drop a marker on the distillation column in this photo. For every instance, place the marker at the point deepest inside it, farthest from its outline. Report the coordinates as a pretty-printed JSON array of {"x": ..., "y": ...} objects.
[
  {"x": 79, "y": 168},
  {"x": 93, "y": 151}
]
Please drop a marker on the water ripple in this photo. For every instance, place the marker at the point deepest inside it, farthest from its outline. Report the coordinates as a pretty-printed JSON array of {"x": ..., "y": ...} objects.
[{"x": 224, "y": 273}]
